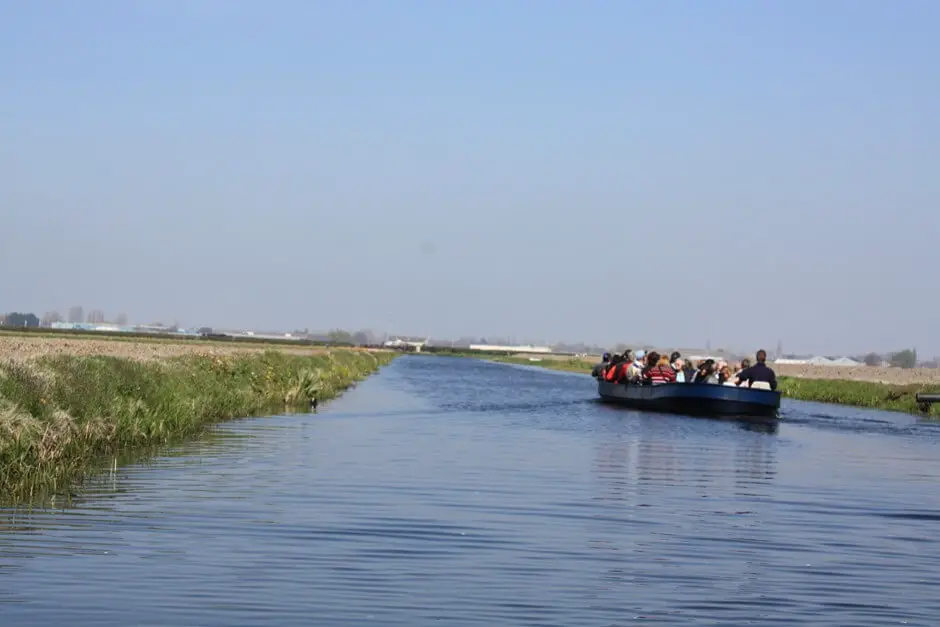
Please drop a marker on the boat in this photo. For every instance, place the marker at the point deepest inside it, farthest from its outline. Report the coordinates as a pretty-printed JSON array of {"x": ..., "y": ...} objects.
[{"x": 696, "y": 399}]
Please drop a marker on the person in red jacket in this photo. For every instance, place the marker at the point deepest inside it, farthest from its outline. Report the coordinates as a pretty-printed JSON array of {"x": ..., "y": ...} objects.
[{"x": 610, "y": 373}]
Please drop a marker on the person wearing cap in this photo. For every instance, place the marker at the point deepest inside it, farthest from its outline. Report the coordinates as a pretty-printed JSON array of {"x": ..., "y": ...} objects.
[{"x": 598, "y": 369}]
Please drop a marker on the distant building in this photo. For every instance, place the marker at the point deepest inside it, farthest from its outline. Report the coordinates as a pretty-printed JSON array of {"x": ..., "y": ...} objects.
[
  {"x": 510, "y": 349},
  {"x": 154, "y": 328},
  {"x": 707, "y": 356},
  {"x": 406, "y": 343},
  {"x": 77, "y": 326},
  {"x": 817, "y": 361}
]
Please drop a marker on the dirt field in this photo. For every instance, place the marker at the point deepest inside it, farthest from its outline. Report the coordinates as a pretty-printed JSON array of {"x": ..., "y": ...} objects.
[
  {"x": 24, "y": 347},
  {"x": 893, "y": 376}
]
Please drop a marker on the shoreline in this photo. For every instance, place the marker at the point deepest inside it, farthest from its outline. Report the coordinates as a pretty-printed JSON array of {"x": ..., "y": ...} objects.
[
  {"x": 64, "y": 408},
  {"x": 809, "y": 386}
]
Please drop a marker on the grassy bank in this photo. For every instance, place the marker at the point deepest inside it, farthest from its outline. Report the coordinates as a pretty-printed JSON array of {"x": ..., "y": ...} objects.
[
  {"x": 59, "y": 415},
  {"x": 856, "y": 393}
]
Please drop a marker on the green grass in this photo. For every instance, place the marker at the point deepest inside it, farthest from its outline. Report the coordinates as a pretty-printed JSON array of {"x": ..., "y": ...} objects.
[
  {"x": 570, "y": 364},
  {"x": 856, "y": 393},
  {"x": 60, "y": 415}
]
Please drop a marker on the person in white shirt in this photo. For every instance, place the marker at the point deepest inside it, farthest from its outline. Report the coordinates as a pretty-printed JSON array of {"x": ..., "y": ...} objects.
[{"x": 636, "y": 368}]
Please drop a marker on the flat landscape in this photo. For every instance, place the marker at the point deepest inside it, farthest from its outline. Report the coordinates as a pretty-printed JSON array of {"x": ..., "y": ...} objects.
[
  {"x": 891, "y": 376},
  {"x": 20, "y": 347}
]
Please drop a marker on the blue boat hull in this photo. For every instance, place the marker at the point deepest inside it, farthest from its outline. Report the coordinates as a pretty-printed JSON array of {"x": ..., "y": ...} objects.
[{"x": 695, "y": 399}]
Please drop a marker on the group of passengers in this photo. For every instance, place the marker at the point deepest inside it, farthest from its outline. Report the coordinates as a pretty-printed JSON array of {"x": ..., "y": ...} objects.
[{"x": 653, "y": 369}]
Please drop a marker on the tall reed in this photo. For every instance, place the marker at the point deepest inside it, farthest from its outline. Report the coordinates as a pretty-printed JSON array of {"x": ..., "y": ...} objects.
[{"x": 60, "y": 414}]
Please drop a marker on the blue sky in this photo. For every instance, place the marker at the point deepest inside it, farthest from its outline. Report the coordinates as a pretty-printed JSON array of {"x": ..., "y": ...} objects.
[{"x": 669, "y": 172}]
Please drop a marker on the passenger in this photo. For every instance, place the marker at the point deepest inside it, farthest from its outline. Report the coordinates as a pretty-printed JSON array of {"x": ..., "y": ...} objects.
[
  {"x": 675, "y": 362},
  {"x": 635, "y": 371},
  {"x": 725, "y": 377},
  {"x": 610, "y": 373},
  {"x": 678, "y": 366},
  {"x": 598, "y": 370},
  {"x": 759, "y": 372},
  {"x": 662, "y": 372},
  {"x": 688, "y": 372},
  {"x": 624, "y": 366},
  {"x": 707, "y": 372},
  {"x": 744, "y": 365},
  {"x": 629, "y": 356},
  {"x": 651, "y": 362}
]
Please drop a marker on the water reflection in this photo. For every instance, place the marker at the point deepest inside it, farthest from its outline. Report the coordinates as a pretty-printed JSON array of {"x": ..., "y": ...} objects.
[
  {"x": 628, "y": 465},
  {"x": 475, "y": 494},
  {"x": 676, "y": 498},
  {"x": 755, "y": 461}
]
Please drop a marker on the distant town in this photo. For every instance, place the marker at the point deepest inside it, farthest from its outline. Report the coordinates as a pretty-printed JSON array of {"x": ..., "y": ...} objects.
[{"x": 95, "y": 322}]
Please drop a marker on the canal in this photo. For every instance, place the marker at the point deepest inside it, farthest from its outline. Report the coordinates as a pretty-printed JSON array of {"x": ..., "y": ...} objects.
[{"x": 456, "y": 492}]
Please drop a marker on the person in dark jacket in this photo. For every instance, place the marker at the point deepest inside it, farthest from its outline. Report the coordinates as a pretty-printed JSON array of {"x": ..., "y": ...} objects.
[
  {"x": 707, "y": 372},
  {"x": 758, "y": 372},
  {"x": 598, "y": 370}
]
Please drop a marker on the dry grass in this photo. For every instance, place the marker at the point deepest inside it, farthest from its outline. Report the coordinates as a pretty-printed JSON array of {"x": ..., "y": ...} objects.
[
  {"x": 890, "y": 376},
  {"x": 64, "y": 403},
  {"x": 24, "y": 347}
]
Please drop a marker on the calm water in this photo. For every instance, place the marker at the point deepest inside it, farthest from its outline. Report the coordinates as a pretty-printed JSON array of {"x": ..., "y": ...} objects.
[{"x": 455, "y": 492}]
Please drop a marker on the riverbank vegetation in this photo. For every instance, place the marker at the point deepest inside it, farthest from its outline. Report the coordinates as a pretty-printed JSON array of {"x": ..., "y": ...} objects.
[
  {"x": 59, "y": 414},
  {"x": 867, "y": 394}
]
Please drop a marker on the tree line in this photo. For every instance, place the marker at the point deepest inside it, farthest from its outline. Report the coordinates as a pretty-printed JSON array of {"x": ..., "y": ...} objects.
[
  {"x": 17, "y": 319},
  {"x": 906, "y": 358}
]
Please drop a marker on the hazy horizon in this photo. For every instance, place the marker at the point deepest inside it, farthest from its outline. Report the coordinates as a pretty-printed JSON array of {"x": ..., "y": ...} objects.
[{"x": 540, "y": 170}]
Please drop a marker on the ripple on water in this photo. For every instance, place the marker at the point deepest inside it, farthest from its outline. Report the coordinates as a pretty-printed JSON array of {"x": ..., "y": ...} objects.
[{"x": 465, "y": 493}]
